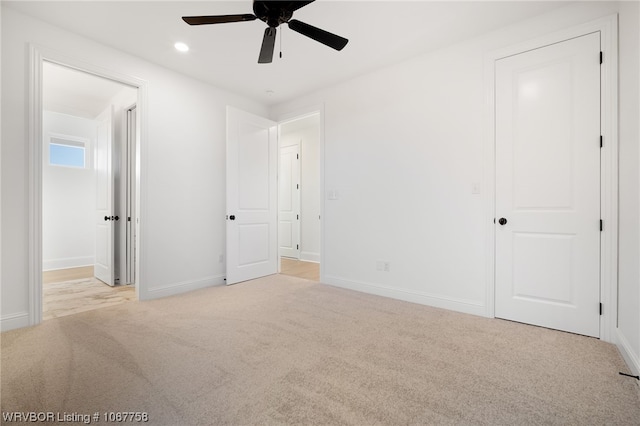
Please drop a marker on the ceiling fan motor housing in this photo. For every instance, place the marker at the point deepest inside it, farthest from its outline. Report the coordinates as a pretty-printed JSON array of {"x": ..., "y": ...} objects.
[{"x": 273, "y": 13}]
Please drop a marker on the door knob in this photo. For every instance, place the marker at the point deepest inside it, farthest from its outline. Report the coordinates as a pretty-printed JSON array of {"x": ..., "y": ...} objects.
[
  {"x": 115, "y": 217},
  {"x": 502, "y": 221},
  {"x": 107, "y": 218},
  {"x": 232, "y": 217}
]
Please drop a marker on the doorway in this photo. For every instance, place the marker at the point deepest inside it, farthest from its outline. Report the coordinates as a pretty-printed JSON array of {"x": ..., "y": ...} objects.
[
  {"x": 299, "y": 197},
  {"x": 253, "y": 144},
  {"x": 87, "y": 189},
  {"x": 548, "y": 158}
]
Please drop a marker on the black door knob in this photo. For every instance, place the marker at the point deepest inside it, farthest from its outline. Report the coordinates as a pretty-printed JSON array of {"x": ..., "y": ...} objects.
[
  {"x": 232, "y": 217},
  {"x": 115, "y": 218},
  {"x": 107, "y": 218},
  {"x": 502, "y": 221}
]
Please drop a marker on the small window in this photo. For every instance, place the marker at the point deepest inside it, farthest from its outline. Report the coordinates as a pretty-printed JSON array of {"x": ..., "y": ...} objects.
[{"x": 63, "y": 152}]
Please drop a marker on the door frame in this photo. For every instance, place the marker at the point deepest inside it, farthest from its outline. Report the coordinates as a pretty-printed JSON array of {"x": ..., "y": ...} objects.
[
  {"x": 38, "y": 55},
  {"x": 608, "y": 28},
  {"x": 297, "y": 114},
  {"x": 130, "y": 196}
]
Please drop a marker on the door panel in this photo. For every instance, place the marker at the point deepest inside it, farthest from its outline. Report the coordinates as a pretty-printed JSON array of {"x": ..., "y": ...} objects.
[
  {"x": 252, "y": 246},
  {"x": 103, "y": 267},
  {"x": 542, "y": 128},
  {"x": 289, "y": 202},
  {"x": 553, "y": 283},
  {"x": 548, "y": 186}
]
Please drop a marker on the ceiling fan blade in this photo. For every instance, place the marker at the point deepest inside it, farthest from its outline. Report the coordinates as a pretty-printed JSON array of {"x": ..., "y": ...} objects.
[
  {"x": 268, "y": 43},
  {"x": 322, "y": 36},
  {"x": 218, "y": 19},
  {"x": 295, "y": 5}
]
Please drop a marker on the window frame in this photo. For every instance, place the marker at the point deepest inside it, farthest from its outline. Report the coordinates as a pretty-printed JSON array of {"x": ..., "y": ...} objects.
[{"x": 70, "y": 141}]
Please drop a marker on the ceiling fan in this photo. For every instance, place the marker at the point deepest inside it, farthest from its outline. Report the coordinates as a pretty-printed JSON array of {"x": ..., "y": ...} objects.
[{"x": 274, "y": 13}]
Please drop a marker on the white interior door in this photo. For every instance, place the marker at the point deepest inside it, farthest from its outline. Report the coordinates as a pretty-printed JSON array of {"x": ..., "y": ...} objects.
[
  {"x": 105, "y": 219},
  {"x": 252, "y": 194},
  {"x": 289, "y": 202},
  {"x": 548, "y": 186}
]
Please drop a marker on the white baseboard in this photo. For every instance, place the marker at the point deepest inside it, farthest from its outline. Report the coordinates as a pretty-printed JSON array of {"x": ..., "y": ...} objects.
[
  {"x": 309, "y": 256},
  {"x": 632, "y": 359},
  {"x": 68, "y": 262},
  {"x": 13, "y": 321},
  {"x": 458, "y": 305},
  {"x": 183, "y": 287}
]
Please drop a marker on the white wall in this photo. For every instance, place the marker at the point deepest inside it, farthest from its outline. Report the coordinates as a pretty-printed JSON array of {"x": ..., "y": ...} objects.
[
  {"x": 68, "y": 198},
  {"x": 403, "y": 147},
  {"x": 183, "y": 232},
  {"x": 629, "y": 172},
  {"x": 306, "y": 132}
]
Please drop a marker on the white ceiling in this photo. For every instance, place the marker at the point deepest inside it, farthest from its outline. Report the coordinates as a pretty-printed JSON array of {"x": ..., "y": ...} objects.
[{"x": 379, "y": 32}]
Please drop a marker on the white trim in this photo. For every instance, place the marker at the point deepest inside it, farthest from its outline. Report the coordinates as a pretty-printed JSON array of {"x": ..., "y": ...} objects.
[
  {"x": 186, "y": 286},
  {"x": 609, "y": 179},
  {"x": 299, "y": 113},
  {"x": 35, "y": 185},
  {"x": 627, "y": 353},
  {"x": 13, "y": 321},
  {"x": 608, "y": 27},
  {"x": 37, "y": 55},
  {"x": 433, "y": 300},
  {"x": 67, "y": 262}
]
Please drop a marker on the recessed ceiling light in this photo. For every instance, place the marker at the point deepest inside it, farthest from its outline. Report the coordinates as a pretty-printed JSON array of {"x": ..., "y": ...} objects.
[
  {"x": 181, "y": 47},
  {"x": 269, "y": 92}
]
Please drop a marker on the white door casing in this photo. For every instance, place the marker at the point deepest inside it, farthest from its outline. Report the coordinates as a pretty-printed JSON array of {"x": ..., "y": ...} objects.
[
  {"x": 252, "y": 196},
  {"x": 105, "y": 219},
  {"x": 130, "y": 204},
  {"x": 289, "y": 202},
  {"x": 547, "y": 269}
]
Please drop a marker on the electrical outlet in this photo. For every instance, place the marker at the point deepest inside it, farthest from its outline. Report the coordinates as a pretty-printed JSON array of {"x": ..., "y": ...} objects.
[{"x": 383, "y": 265}]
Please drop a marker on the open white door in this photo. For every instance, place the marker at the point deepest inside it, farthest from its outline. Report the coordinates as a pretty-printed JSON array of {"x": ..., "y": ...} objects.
[
  {"x": 252, "y": 196},
  {"x": 105, "y": 219}
]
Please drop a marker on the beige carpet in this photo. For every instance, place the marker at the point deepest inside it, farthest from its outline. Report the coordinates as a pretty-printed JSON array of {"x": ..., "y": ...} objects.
[{"x": 283, "y": 350}]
